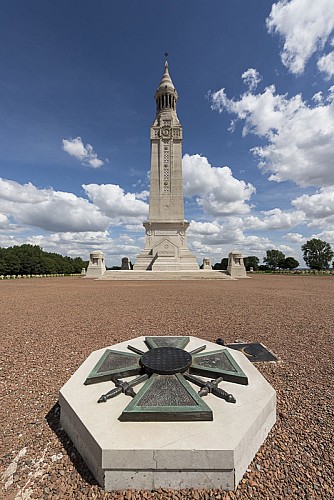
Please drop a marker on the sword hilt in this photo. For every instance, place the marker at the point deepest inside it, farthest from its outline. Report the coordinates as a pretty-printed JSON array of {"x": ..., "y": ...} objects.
[
  {"x": 220, "y": 393},
  {"x": 125, "y": 387}
]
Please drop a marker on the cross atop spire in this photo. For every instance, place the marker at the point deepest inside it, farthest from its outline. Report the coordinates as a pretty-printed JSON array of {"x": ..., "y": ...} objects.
[{"x": 166, "y": 61}]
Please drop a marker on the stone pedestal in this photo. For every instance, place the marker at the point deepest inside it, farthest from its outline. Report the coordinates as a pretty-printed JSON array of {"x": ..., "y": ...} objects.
[
  {"x": 235, "y": 266},
  {"x": 166, "y": 248},
  {"x": 96, "y": 267},
  {"x": 150, "y": 455},
  {"x": 207, "y": 264}
]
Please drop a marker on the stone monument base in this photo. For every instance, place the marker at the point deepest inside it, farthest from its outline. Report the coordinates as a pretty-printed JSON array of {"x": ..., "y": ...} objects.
[
  {"x": 166, "y": 248},
  {"x": 151, "y": 455}
]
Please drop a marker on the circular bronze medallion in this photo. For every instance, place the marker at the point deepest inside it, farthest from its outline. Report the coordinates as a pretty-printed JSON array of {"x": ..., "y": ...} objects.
[{"x": 166, "y": 360}]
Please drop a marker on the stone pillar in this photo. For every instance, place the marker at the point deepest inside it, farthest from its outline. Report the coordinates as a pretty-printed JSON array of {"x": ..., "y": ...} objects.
[
  {"x": 235, "y": 266},
  {"x": 96, "y": 267},
  {"x": 207, "y": 264}
]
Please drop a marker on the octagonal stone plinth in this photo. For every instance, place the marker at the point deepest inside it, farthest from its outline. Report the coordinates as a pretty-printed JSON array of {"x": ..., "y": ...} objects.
[{"x": 150, "y": 455}]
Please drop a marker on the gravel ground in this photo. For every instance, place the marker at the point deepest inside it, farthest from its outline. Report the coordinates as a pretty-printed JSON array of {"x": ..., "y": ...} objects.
[{"x": 49, "y": 326}]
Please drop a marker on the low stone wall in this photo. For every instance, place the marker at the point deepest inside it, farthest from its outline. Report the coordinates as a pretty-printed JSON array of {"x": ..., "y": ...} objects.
[
  {"x": 298, "y": 271},
  {"x": 20, "y": 276}
]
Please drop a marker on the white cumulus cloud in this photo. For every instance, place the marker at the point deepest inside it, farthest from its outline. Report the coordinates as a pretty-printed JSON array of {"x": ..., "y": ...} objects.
[
  {"x": 84, "y": 153},
  {"x": 48, "y": 209},
  {"x": 274, "y": 219},
  {"x": 80, "y": 244},
  {"x": 300, "y": 136},
  {"x": 326, "y": 65},
  {"x": 304, "y": 25},
  {"x": 215, "y": 188},
  {"x": 294, "y": 237},
  {"x": 327, "y": 235},
  {"x": 319, "y": 205},
  {"x": 251, "y": 77},
  {"x": 116, "y": 204},
  {"x": 204, "y": 228},
  {"x": 4, "y": 222},
  {"x": 143, "y": 195}
]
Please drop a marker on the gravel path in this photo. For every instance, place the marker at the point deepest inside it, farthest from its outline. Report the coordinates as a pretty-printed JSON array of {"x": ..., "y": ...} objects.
[{"x": 49, "y": 326}]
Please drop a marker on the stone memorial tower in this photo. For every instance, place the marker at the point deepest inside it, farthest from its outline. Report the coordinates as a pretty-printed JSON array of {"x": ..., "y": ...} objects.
[{"x": 166, "y": 246}]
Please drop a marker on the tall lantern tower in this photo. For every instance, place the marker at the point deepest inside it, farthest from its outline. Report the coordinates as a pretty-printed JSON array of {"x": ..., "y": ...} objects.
[{"x": 166, "y": 247}]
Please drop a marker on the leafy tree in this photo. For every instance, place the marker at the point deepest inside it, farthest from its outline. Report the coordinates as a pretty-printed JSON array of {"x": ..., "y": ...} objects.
[
  {"x": 12, "y": 264},
  {"x": 31, "y": 259},
  {"x": 289, "y": 263},
  {"x": 274, "y": 259},
  {"x": 222, "y": 266},
  {"x": 317, "y": 254},
  {"x": 251, "y": 261}
]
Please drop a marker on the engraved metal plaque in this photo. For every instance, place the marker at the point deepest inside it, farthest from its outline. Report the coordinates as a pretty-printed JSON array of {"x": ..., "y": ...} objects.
[
  {"x": 166, "y": 398},
  {"x": 114, "y": 364},
  {"x": 255, "y": 352},
  {"x": 179, "y": 342},
  {"x": 218, "y": 364},
  {"x": 166, "y": 391}
]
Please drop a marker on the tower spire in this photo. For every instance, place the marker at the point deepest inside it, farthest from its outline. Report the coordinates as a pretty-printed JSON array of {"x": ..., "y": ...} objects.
[{"x": 166, "y": 94}]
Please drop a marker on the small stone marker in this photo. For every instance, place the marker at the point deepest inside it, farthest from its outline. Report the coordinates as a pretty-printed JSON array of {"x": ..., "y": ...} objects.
[
  {"x": 236, "y": 267},
  {"x": 96, "y": 266},
  {"x": 125, "y": 264},
  {"x": 207, "y": 264}
]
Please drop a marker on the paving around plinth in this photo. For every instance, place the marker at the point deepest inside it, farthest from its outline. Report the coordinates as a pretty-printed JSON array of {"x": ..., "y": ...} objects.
[{"x": 51, "y": 326}]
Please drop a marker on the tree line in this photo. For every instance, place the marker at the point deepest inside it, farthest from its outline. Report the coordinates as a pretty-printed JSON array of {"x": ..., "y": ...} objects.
[
  {"x": 317, "y": 255},
  {"x": 31, "y": 259}
]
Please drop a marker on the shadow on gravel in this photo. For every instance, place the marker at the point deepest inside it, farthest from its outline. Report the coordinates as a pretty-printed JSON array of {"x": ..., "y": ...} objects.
[{"x": 53, "y": 420}]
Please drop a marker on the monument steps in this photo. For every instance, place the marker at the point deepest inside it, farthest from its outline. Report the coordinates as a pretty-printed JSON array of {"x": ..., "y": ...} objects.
[{"x": 165, "y": 275}]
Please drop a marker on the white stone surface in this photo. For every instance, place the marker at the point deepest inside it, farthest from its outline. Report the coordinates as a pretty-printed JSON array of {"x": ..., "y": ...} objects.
[{"x": 167, "y": 454}]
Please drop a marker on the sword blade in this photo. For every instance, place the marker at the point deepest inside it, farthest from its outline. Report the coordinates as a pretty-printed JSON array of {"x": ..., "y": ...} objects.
[
  {"x": 194, "y": 379},
  {"x": 120, "y": 388}
]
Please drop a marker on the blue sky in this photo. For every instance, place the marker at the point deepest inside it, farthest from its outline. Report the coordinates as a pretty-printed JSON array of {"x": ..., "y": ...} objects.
[{"x": 256, "y": 102}]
